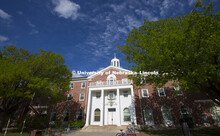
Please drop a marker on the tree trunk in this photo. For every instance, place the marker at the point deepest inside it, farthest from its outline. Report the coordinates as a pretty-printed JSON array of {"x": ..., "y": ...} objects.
[{"x": 3, "y": 119}]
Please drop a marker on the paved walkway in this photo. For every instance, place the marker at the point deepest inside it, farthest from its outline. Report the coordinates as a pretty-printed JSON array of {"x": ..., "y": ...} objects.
[{"x": 97, "y": 131}]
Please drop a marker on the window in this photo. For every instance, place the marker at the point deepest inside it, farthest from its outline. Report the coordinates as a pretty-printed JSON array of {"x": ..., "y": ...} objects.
[
  {"x": 97, "y": 115},
  {"x": 72, "y": 85},
  {"x": 168, "y": 121},
  {"x": 53, "y": 116},
  {"x": 66, "y": 115},
  {"x": 184, "y": 110},
  {"x": 124, "y": 81},
  {"x": 161, "y": 92},
  {"x": 79, "y": 114},
  {"x": 178, "y": 90},
  {"x": 69, "y": 96},
  {"x": 98, "y": 82},
  {"x": 127, "y": 115},
  {"x": 148, "y": 115},
  {"x": 111, "y": 79},
  {"x": 215, "y": 112},
  {"x": 83, "y": 84},
  {"x": 145, "y": 93},
  {"x": 125, "y": 93},
  {"x": 98, "y": 94},
  {"x": 111, "y": 95},
  {"x": 205, "y": 119},
  {"x": 81, "y": 97}
]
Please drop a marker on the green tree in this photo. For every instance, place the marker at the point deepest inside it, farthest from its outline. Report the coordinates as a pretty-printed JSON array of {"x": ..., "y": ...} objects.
[
  {"x": 25, "y": 75},
  {"x": 184, "y": 49}
]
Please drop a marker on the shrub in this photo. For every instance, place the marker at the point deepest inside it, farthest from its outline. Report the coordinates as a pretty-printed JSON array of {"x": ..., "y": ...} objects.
[
  {"x": 33, "y": 122},
  {"x": 78, "y": 123}
]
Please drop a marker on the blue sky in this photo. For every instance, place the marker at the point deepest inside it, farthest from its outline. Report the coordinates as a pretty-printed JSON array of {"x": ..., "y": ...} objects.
[{"x": 86, "y": 32}]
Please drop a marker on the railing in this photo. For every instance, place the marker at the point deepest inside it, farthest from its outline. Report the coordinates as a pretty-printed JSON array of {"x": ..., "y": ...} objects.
[{"x": 110, "y": 83}]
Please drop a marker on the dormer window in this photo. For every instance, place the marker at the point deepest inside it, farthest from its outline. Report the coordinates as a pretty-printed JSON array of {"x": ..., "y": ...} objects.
[{"x": 111, "y": 79}]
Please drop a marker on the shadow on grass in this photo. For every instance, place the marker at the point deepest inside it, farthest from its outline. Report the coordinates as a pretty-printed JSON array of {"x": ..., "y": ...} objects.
[{"x": 178, "y": 132}]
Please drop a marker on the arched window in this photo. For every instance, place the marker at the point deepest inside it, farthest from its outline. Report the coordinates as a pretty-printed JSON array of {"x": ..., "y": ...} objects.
[
  {"x": 53, "y": 116},
  {"x": 79, "y": 114},
  {"x": 215, "y": 112},
  {"x": 148, "y": 115},
  {"x": 168, "y": 121},
  {"x": 66, "y": 115},
  {"x": 127, "y": 115},
  {"x": 97, "y": 115},
  {"x": 111, "y": 79},
  {"x": 184, "y": 110}
]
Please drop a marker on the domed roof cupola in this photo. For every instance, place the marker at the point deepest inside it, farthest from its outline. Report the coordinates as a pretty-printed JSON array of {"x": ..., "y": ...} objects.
[{"x": 115, "y": 62}]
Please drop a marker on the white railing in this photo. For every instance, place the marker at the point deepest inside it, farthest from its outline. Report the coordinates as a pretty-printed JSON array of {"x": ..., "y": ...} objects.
[{"x": 110, "y": 83}]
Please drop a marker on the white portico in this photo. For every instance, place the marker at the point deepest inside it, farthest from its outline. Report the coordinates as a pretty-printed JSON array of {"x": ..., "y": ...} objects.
[{"x": 111, "y": 102}]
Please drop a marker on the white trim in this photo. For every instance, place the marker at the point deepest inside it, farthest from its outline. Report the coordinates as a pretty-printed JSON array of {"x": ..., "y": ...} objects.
[
  {"x": 88, "y": 110},
  {"x": 159, "y": 92},
  {"x": 177, "y": 89},
  {"x": 143, "y": 93},
  {"x": 80, "y": 97},
  {"x": 82, "y": 85}
]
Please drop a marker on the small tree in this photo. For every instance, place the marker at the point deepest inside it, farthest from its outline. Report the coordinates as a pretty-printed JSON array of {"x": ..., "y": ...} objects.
[
  {"x": 24, "y": 75},
  {"x": 185, "y": 49}
]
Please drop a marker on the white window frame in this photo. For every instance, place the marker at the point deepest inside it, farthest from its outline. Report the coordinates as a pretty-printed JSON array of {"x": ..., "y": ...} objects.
[
  {"x": 81, "y": 96},
  {"x": 124, "y": 81},
  {"x": 82, "y": 85},
  {"x": 143, "y": 93},
  {"x": 69, "y": 95},
  {"x": 163, "y": 91},
  {"x": 99, "y": 82},
  {"x": 178, "y": 90},
  {"x": 72, "y": 85}
]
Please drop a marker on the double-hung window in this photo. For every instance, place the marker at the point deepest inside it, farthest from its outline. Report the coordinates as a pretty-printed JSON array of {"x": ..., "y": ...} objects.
[
  {"x": 145, "y": 93},
  {"x": 161, "y": 92},
  {"x": 81, "y": 97},
  {"x": 83, "y": 84},
  {"x": 178, "y": 90}
]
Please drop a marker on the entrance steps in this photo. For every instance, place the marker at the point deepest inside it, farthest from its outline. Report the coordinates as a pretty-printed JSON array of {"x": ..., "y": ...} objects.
[{"x": 103, "y": 128}]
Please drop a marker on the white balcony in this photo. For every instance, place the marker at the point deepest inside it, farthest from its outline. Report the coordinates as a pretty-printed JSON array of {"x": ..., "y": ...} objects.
[{"x": 110, "y": 83}]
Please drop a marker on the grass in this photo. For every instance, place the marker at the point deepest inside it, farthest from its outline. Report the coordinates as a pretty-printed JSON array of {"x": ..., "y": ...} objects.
[
  {"x": 16, "y": 132},
  {"x": 178, "y": 132}
]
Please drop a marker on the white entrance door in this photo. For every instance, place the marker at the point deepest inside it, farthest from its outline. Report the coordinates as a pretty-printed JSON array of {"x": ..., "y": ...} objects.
[{"x": 111, "y": 116}]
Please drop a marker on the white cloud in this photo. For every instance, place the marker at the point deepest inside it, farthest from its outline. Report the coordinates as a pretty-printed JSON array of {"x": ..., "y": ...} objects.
[
  {"x": 3, "y": 38},
  {"x": 66, "y": 9},
  {"x": 191, "y": 2},
  {"x": 30, "y": 24},
  {"x": 146, "y": 14},
  {"x": 34, "y": 31},
  {"x": 4, "y": 15}
]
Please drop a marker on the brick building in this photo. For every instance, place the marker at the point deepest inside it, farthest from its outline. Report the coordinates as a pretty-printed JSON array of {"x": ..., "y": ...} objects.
[{"x": 109, "y": 98}]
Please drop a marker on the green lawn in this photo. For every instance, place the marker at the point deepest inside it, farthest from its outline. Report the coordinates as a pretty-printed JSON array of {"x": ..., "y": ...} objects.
[{"x": 178, "y": 132}]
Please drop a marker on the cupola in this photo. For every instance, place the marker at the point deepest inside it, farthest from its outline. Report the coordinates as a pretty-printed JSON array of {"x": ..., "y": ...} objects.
[{"x": 115, "y": 62}]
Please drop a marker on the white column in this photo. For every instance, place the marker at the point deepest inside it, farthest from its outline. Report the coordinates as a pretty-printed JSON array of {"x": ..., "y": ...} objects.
[
  {"x": 133, "y": 112},
  {"x": 88, "y": 109},
  {"x": 102, "y": 108},
  {"x": 118, "y": 108}
]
